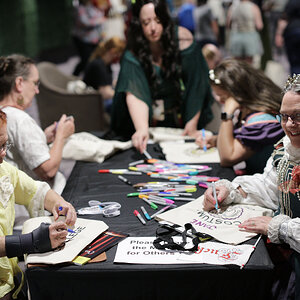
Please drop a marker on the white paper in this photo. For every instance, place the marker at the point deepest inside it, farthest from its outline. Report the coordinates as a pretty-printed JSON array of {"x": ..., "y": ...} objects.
[
  {"x": 140, "y": 250},
  {"x": 223, "y": 226},
  {"x": 85, "y": 232},
  {"x": 219, "y": 254},
  {"x": 178, "y": 152},
  {"x": 160, "y": 134}
]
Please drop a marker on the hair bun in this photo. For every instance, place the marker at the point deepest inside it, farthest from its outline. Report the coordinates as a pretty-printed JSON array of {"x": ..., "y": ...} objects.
[{"x": 4, "y": 64}]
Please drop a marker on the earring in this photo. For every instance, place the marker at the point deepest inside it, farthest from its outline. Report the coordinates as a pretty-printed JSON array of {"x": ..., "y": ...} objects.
[{"x": 20, "y": 100}]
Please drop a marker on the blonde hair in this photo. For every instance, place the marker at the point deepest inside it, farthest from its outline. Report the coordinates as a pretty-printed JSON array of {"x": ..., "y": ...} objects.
[
  {"x": 211, "y": 54},
  {"x": 113, "y": 43}
]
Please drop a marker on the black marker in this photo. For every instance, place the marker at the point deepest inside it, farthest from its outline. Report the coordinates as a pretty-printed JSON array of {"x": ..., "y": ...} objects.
[{"x": 124, "y": 179}]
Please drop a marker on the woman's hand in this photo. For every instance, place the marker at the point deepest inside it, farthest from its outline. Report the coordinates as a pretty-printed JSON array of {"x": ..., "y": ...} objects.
[
  {"x": 256, "y": 225},
  {"x": 50, "y": 132},
  {"x": 56, "y": 204},
  {"x": 209, "y": 141},
  {"x": 190, "y": 127},
  {"x": 139, "y": 113},
  {"x": 231, "y": 105},
  {"x": 140, "y": 139},
  {"x": 65, "y": 126},
  {"x": 66, "y": 209},
  {"x": 57, "y": 234},
  {"x": 209, "y": 200}
]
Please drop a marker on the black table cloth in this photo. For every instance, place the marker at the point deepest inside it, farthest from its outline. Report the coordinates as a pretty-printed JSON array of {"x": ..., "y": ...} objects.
[{"x": 107, "y": 280}]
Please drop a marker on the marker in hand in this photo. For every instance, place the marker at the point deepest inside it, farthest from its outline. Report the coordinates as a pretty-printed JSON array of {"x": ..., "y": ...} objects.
[
  {"x": 67, "y": 119},
  {"x": 215, "y": 196},
  {"x": 147, "y": 154},
  {"x": 68, "y": 229},
  {"x": 204, "y": 140}
]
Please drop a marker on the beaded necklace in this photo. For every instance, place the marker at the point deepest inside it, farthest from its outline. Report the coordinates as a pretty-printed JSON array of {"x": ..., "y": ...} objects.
[{"x": 289, "y": 197}]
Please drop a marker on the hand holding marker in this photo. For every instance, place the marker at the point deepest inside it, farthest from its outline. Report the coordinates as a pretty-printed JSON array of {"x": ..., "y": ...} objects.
[
  {"x": 215, "y": 196},
  {"x": 68, "y": 229},
  {"x": 204, "y": 140},
  {"x": 67, "y": 119}
]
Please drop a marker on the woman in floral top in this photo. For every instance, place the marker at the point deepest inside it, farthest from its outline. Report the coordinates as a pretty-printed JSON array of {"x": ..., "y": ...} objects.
[{"x": 17, "y": 187}]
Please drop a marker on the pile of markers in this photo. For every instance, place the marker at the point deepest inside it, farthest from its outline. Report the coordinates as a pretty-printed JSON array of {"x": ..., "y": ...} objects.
[
  {"x": 183, "y": 180},
  {"x": 161, "y": 193},
  {"x": 162, "y": 169}
]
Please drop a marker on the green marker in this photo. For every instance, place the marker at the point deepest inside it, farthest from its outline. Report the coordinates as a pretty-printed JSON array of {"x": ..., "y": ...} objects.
[
  {"x": 189, "y": 181},
  {"x": 133, "y": 194},
  {"x": 153, "y": 205},
  {"x": 191, "y": 190}
]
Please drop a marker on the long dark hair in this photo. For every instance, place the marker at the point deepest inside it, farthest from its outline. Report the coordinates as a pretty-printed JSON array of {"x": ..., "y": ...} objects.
[
  {"x": 139, "y": 45},
  {"x": 250, "y": 87}
]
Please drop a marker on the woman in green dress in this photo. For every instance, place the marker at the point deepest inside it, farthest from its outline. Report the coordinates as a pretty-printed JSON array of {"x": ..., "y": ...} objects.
[{"x": 163, "y": 80}]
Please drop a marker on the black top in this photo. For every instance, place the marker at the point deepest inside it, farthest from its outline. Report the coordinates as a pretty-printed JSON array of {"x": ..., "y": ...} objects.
[
  {"x": 292, "y": 13},
  {"x": 97, "y": 74}
]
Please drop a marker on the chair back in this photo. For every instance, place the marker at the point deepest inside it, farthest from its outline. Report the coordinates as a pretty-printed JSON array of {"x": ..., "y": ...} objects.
[{"x": 54, "y": 100}]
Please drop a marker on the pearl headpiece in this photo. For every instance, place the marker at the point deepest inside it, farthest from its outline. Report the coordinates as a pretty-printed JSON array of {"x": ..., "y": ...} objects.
[{"x": 213, "y": 78}]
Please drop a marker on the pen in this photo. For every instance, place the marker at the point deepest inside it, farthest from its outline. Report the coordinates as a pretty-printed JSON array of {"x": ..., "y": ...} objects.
[
  {"x": 203, "y": 137},
  {"x": 136, "y": 162},
  {"x": 119, "y": 171},
  {"x": 124, "y": 179},
  {"x": 147, "y": 155},
  {"x": 215, "y": 195},
  {"x": 111, "y": 170},
  {"x": 160, "y": 211},
  {"x": 180, "y": 198},
  {"x": 153, "y": 205},
  {"x": 203, "y": 185},
  {"x": 137, "y": 214},
  {"x": 145, "y": 213},
  {"x": 158, "y": 200},
  {"x": 70, "y": 230}
]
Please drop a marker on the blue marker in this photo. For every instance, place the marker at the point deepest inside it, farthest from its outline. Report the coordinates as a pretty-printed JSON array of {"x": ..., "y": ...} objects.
[
  {"x": 60, "y": 208},
  {"x": 215, "y": 196},
  {"x": 70, "y": 230},
  {"x": 203, "y": 137},
  {"x": 145, "y": 213}
]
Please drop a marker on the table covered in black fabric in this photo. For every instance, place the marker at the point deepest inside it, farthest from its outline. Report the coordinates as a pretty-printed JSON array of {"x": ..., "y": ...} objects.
[{"x": 107, "y": 280}]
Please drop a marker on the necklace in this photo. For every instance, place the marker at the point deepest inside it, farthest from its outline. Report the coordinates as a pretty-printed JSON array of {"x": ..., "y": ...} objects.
[{"x": 286, "y": 184}]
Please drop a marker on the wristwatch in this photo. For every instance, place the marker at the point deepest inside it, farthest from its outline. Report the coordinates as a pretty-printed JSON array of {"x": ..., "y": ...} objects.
[{"x": 225, "y": 116}]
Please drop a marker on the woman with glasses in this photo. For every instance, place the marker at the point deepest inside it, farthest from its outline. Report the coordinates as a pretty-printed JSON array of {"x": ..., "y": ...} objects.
[
  {"x": 17, "y": 187},
  {"x": 19, "y": 79},
  {"x": 278, "y": 188},
  {"x": 249, "y": 128}
]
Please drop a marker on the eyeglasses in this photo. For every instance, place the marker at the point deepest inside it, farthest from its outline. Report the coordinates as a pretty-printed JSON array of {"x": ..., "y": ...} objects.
[
  {"x": 5, "y": 147},
  {"x": 36, "y": 83},
  {"x": 284, "y": 118}
]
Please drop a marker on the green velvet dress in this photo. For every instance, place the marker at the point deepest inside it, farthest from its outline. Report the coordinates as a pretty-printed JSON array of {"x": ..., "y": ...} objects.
[{"x": 196, "y": 95}]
